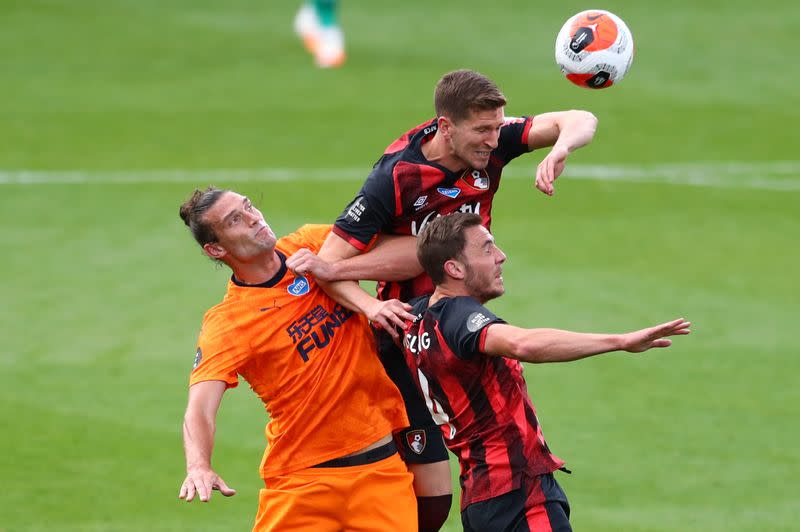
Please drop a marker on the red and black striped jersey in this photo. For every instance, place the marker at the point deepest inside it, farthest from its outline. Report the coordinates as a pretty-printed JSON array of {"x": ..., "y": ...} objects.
[
  {"x": 405, "y": 191},
  {"x": 481, "y": 402}
]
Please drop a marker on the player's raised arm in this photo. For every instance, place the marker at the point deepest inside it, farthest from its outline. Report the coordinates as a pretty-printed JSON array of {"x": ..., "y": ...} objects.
[
  {"x": 555, "y": 345},
  {"x": 198, "y": 442},
  {"x": 565, "y": 131}
]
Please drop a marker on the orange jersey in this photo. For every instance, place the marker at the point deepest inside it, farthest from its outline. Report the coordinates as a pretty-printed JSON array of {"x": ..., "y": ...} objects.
[{"x": 311, "y": 361}]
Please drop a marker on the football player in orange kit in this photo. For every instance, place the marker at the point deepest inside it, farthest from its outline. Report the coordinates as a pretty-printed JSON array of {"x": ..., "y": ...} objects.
[{"x": 330, "y": 463}]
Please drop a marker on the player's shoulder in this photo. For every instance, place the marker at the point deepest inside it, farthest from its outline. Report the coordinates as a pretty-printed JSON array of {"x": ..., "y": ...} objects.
[
  {"x": 462, "y": 312},
  {"x": 410, "y": 137},
  {"x": 306, "y": 236},
  {"x": 419, "y": 304},
  {"x": 405, "y": 152},
  {"x": 219, "y": 319},
  {"x": 518, "y": 120},
  {"x": 458, "y": 304}
]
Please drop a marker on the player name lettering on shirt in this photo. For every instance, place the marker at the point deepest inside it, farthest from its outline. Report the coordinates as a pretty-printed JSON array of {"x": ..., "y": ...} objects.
[
  {"x": 415, "y": 343},
  {"x": 316, "y": 329}
]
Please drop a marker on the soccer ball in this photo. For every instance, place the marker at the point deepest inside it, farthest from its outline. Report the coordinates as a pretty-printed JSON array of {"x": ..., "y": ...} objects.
[{"x": 594, "y": 49}]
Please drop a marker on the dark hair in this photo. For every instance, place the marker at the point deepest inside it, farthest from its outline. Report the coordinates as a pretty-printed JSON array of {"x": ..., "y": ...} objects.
[
  {"x": 443, "y": 239},
  {"x": 462, "y": 91},
  {"x": 193, "y": 213}
]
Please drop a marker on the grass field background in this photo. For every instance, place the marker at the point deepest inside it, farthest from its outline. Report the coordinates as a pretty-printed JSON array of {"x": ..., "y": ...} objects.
[{"x": 687, "y": 204}]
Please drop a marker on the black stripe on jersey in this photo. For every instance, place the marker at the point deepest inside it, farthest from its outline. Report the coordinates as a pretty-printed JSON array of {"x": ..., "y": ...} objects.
[
  {"x": 476, "y": 469},
  {"x": 513, "y": 438}
]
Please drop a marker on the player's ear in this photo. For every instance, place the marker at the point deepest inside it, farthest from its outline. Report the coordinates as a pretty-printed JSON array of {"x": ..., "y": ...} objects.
[
  {"x": 455, "y": 269},
  {"x": 444, "y": 125},
  {"x": 214, "y": 250}
]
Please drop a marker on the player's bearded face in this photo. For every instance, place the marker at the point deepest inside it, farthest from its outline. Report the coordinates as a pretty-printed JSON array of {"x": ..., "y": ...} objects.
[
  {"x": 483, "y": 262},
  {"x": 473, "y": 138},
  {"x": 484, "y": 284}
]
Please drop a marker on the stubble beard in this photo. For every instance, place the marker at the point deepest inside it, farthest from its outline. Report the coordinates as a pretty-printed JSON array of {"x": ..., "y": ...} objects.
[{"x": 483, "y": 290}]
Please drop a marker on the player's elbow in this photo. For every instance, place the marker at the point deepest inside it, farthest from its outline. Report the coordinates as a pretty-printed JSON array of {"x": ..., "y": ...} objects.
[
  {"x": 586, "y": 118},
  {"x": 535, "y": 346},
  {"x": 525, "y": 348}
]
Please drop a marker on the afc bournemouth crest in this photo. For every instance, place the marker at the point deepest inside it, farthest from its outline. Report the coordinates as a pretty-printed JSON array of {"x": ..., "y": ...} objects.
[
  {"x": 416, "y": 440},
  {"x": 477, "y": 179}
]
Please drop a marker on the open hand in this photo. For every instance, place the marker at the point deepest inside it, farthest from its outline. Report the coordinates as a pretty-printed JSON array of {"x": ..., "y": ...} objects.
[
  {"x": 644, "y": 339},
  {"x": 202, "y": 482},
  {"x": 388, "y": 315}
]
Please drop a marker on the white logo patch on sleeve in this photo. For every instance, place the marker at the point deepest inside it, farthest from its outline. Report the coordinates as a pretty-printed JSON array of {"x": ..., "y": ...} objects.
[
  {"x": 356, "y": 210},
  {"x": 476, "y": 321}
]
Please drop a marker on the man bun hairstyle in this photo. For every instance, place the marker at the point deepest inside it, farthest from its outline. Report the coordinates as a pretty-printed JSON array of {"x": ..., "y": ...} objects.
[
  {"x": 193, "y": 212},
  {"x": 462, "y": 91},
  {"x": 443, "y": 239}
]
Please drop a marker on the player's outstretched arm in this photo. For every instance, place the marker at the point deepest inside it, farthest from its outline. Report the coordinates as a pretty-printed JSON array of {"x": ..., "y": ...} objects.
[
  {"x": 565, "y": 131},
  {"x": 644, "y": 339},
  {"x": 198, "y": 442},
  {"x": 556, "y": 345}
]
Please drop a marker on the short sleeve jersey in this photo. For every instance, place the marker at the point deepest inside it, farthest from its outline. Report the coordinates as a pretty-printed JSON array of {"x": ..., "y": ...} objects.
[
  {"x": 311, "y": 361},
  {"x": 481, "y": 402},
  {"x": 405, "y": 191}
]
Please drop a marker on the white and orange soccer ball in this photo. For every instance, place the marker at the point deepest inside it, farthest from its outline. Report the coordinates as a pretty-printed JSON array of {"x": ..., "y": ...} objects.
[{"x": 594, "y": 49}]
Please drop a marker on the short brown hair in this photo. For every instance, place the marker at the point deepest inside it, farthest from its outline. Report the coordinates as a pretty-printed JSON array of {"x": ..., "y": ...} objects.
[
  {"x": 193, "y": 212},
  {"x": 443, "y": 239},
  {"x": 462, "y": 91}
]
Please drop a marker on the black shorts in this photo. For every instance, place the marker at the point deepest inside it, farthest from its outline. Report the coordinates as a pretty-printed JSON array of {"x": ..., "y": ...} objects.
[
  {"x": 540, "y": 507},
  {"x": 422, "y": 442}
]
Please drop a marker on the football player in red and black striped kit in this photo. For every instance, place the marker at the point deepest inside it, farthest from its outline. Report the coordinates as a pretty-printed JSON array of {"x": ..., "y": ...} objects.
[
  {"x": 466, "y": 363},
  {"x": 451, "y": 163}
]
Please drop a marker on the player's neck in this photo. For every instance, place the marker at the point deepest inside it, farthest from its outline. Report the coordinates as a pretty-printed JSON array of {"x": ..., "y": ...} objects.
[
  {"x": 438, "y": 151},
  {"x": 446, "y": 290},
  {"x": 259, "y": 270}
]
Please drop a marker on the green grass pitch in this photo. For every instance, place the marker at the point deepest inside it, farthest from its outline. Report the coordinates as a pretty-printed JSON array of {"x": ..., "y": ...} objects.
[{"x": 687, "y": 204}]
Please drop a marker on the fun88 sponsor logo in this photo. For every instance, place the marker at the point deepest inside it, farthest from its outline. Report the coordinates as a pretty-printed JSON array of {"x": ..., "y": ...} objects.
[{"x": 316, "y": 329}]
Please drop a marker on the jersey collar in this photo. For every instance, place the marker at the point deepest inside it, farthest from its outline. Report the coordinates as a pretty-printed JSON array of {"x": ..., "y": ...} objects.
[
  {"x": 415, "y": 145},
  {"x": 270, "y": 282}
]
